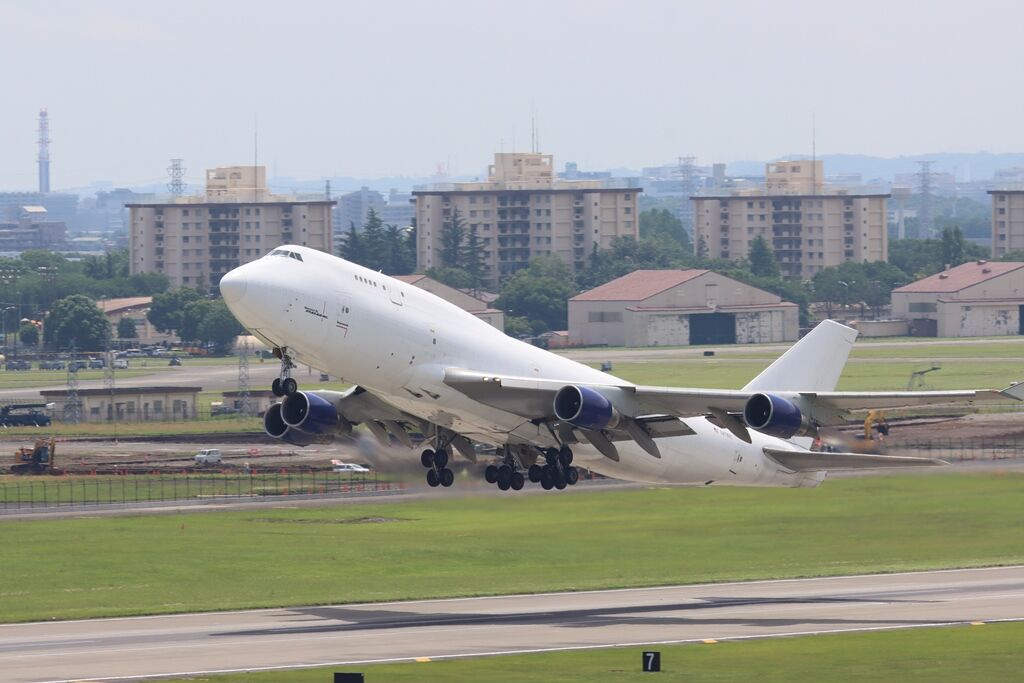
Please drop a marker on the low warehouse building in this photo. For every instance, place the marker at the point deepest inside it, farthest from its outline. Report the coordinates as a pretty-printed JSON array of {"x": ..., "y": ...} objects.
[
  {"x": 678, "y": 308},
  {"x": 127, "y": 404},
  {"x": 975, "y": 299}
]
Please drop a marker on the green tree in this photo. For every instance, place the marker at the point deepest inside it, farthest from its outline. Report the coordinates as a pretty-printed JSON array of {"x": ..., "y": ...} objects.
[
  {"x": 126, "y": 329},
  {"x": 29, "y": 335},
  {"x": 540, "y": 292},
  {"x": 77, "y": 319},
  {"x": 453, "y": 277},
  {"x": 762, "y": 258},
  {"x": 473, "y": 255},
  {"x": 192, "y": 317},
  {"x": 662, "y": 223},
  {"x": 517, "y": 327},
  {"x": 167, "y": 309},
  {"x": 954, "y": 247},
  {"x": 453, "y": 232},
  {"x": 218, "y": 326},
  {"x": 352, "y": 248}
]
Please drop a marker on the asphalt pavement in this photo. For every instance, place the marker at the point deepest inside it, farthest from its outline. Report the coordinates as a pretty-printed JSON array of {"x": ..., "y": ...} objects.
[{"x": 348, "y": 636}]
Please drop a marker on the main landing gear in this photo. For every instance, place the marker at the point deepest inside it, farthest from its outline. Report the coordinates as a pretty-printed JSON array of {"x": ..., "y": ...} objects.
[
  {"x": 557, "y": 472},
  {"x": 438, "y": 474},
  {"x": 505, "y": 476},
  {"x": 285, "y": 384}
]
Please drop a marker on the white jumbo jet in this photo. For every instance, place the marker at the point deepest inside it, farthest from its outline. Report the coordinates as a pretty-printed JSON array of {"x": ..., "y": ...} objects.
[{"x": 427, "y": 371}]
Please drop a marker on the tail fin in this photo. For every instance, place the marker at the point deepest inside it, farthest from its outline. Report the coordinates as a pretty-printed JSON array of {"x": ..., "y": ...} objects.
[{"x": 812, "y": 364}]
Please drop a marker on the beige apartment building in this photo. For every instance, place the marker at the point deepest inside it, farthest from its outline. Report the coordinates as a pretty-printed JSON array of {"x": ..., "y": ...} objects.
[
  {"x": 809, "y": 225},
  {"x": 195, "y": 240},
  {"x": 523, "y": 211},
  {"x": 1007, "y": 221}
]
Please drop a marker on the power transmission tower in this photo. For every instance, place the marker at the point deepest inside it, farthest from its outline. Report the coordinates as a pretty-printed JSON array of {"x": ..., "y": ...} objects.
[
  {"x": 925, "y": 221},
  {"x": 177, "y": 173},
  {"x": 44, "y": 151},
  {"x": 72, "y": 404},
  {"x": 244, "y": 388},
  {"x": 108, "y": 384}
]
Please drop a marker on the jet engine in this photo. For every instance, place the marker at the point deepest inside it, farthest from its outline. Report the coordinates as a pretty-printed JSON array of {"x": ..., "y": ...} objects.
[
  {"x": 776, "y": 416},
  {"x": 309, "y": 413},
  {"x": 586, "y": 408},
  {"x": 274, "y": 426}
]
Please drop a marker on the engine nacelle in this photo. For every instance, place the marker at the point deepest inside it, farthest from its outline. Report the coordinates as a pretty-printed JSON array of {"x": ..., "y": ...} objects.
[
  {"x": 274, "y": 426},
  {"x": 776, "y": 416},
  {"x": 585, "y": 407},
  {"x": 309, "y": 413}
]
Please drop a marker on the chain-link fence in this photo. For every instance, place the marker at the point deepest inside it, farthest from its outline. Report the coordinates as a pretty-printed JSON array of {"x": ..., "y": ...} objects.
[{"x": 21, "y": 493}]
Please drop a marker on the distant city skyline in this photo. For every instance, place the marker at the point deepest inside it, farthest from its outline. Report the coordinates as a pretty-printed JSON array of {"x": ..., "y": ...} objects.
[{"x": 395, "y": 88}]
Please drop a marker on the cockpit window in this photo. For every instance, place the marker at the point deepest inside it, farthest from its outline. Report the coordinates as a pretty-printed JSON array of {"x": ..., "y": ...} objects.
[{"x": 287, "y": 254}]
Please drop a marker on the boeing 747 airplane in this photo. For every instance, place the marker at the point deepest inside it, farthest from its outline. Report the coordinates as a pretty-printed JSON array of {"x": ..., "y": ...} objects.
[{"x": 425, "y": 371}]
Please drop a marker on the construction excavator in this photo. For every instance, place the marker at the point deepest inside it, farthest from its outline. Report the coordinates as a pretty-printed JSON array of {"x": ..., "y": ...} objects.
[{"x": 39, "y": 459}]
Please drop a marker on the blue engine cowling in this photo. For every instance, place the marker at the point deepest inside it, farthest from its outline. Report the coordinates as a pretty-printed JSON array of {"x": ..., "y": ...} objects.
[
  {"x": 275, "y": 427},
  {"x": 310, "y": 413},
  {"x": 775, "y": 416},
  {"x": 584, "y": 407}
]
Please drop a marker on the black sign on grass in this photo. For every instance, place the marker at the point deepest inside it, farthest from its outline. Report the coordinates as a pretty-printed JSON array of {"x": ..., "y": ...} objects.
[
  {"x": 348, "y": 678},
  {"x": 651, "y": 661}
]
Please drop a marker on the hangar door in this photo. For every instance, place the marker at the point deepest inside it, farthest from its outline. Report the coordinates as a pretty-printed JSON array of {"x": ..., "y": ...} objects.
[{"x": 713, "y": 328}]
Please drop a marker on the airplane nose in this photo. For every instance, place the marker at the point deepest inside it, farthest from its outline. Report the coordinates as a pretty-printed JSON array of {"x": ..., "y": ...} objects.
[{"x": 233, "y": 286}]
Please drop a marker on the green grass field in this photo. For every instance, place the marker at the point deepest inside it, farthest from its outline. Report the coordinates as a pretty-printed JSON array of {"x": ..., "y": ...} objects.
[
  {"x": 960, "y": 654},
  {"x": 458, "y": 546}
]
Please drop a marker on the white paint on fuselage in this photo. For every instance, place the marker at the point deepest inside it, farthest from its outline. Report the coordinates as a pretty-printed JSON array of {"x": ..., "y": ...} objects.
[{"x": 396, "y": 340}]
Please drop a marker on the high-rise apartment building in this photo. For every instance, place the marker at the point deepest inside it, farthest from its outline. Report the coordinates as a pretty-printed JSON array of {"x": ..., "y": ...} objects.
[
  {"x": 523, "y": 211},
  {"x": 808, "y": 224},
  {"x": 1007, "y": 221},
  {"x": 195, "y": 240}
]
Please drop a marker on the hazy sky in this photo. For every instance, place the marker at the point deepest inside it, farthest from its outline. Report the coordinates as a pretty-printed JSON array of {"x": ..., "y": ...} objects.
[{"x": 386, "y": 87}]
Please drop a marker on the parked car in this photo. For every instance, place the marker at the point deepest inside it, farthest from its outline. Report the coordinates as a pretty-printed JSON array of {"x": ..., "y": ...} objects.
[
  {"x": 120, "y": 363},
  {"x": 18, "y": 365},
  {"x": 97, "y": 363},
  {"x": 208, "y": 456},
  {"x": 175, "y": 361},
  {"x": 350, "y": 467}
]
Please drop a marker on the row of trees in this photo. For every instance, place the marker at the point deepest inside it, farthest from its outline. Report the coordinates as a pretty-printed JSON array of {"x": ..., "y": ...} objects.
[{"x": 386, "y": 248}]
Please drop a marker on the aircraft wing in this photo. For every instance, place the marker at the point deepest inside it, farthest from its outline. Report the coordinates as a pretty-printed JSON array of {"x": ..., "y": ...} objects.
[{"x": 811, "y": 461}]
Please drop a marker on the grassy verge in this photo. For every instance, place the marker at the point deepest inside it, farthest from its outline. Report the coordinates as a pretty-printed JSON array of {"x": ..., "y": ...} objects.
[
  {"x": 450, "y": 546},
  {"x": 229, "y": 424},
  {"x": 930, "y": 655}
]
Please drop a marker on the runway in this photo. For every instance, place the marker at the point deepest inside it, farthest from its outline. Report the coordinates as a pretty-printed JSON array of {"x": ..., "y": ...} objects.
[{"x": 122, "y": 649}]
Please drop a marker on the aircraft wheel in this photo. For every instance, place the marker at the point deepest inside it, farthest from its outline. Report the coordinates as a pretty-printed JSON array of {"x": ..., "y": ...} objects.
[
  {"x": 427, "y": 458},
  {"x": 433, "y": 479},
  {"x": 491, "y": 474},
  {"x": 547, "y": 481},
  {"x": 572, "y": 475},
  {"x": 504, "y": 477},
  {"x": 440, "y": 458},
  {"x": 565, "y": 456},
  {"x": 276, "y": 388},
  {"x": 447, "y": 477},
  {"x": 535, "y": 473},
  {"x": 517, "y": 482},
  {"x": 551, "y": 455},
  {"x": 560, "y": 482},
  {"x": 290, "y": 386}
]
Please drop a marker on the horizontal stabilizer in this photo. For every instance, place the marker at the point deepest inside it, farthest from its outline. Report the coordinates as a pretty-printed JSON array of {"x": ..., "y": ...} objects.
[{"x": 810, "y": 461}]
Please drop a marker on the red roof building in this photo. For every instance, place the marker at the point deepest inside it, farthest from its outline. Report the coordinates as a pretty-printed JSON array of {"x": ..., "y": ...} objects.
[
  {"x": 976, "y": 299},
  {"x": 679, "y": 308}
]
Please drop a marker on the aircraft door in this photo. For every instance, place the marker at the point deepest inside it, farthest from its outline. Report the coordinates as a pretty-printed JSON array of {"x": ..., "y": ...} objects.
[{"x": 342, "y": 314}]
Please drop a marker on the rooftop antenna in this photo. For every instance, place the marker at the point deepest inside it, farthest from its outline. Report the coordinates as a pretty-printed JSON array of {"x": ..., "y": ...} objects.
[
  {"x": 255, "y": 157},
  {"x": 44, "y": 151}
]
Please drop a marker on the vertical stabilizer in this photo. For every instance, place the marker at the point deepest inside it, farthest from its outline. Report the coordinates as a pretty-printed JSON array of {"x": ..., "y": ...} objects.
[{"x": 812, "y": 364}]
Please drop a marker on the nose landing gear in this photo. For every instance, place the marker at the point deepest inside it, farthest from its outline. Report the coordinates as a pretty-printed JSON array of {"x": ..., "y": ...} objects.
[{"x": 285, "y": 384}]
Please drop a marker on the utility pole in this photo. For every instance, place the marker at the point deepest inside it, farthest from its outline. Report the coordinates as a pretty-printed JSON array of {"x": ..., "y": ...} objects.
[
  {"x": 72, "y": 404},
  {"x": 108, "y": 384},
  {"x": 244, "y": 387}
]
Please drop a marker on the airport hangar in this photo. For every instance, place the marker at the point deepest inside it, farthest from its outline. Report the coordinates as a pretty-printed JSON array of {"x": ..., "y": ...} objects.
[
  {"x": 678, "y": 308},
  {"x": 975, "y": 299}
]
